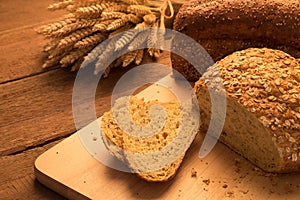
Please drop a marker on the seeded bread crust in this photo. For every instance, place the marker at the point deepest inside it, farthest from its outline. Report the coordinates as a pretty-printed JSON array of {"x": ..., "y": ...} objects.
[
  {"x": 262, "y": 88},
  {"x": 225, "y": 26},
  {"x": 124, "y": 146}
]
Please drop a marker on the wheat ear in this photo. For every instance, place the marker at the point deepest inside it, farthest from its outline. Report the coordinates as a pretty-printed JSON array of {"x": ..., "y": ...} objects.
[
  {"x": 60, "y": 5},
  {"x": 139, "y": 56},
  {"x": 91, "y": 40},
  {"x": 125, "y": 39},
  {"x": 93, "y": 11},
  {"x": 129, "y": 58},
  {"x": 74, "y": 55},
  {"x": 78, "y": 24},
  {"x": 74, "y": 37}
]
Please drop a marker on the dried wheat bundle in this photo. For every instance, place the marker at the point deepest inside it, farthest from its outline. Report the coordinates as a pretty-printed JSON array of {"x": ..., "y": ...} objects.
[{"x": 74, "y": 38}]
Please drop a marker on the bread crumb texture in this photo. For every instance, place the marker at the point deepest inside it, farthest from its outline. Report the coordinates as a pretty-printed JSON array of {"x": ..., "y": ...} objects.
[
  {"x": 266, "y": 83},
  {"x": 139, "y": 112},
  {"x": 127, "y": 146}
]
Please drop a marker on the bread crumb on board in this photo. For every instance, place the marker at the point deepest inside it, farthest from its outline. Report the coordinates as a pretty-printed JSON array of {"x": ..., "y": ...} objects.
[
  {"x": 206, "y": 181},
  {"x": 244, "y": 191},
  {"x": 229, "y": 194},
  {"x": 225, "y": 186},
  {"x": 193, "y": 173}
]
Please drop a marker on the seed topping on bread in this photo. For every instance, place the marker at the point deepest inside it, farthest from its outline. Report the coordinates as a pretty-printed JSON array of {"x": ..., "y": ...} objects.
[{"x": 267, "y": 83}]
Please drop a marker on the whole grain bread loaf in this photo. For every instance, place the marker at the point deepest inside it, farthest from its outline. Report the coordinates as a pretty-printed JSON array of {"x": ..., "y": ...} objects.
[
  {"x": 157, "y": 156},
  {"x": 225, "y": 26},
  {"x": 262, "y": 89}
]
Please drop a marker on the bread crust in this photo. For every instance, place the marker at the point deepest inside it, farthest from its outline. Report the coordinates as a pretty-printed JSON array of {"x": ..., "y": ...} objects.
[
  {"x": 263, "y": 113},
  {"x": 242, "y": 23}
]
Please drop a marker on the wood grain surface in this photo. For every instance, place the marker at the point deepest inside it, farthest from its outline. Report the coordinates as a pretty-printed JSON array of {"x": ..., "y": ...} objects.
[
  {"x": 36, "y": 114},
  {"x": 22, "y": 105},
  {"x": 21, "y": 47},
  {"x": 17, "y": 177},
  {"x": 71, "y": 170},
  {"x": 35, "y": 103}
]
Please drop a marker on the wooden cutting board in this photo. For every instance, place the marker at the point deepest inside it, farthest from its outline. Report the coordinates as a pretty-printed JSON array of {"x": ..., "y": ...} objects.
[{"x": 69, "y": 169}]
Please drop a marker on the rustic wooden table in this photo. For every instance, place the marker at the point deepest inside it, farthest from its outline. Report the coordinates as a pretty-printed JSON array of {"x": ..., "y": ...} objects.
[
  {"x": 36, "y": 114},
  {"x": 35, "y": 103}
]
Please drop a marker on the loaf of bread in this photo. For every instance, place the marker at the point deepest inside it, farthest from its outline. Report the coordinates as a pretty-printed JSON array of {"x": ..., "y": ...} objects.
[
  {"x": 225, "y": 26},
  {"x": 156, "y": 156},
  {"x": 262, "y": 90}
]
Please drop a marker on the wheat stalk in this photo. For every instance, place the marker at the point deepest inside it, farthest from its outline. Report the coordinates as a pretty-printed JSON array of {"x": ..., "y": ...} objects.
[{"x": 75, "y": 38}]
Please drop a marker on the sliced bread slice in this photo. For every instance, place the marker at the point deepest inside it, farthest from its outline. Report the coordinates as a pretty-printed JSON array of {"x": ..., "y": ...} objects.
[{"x": 151, "y": 137}]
